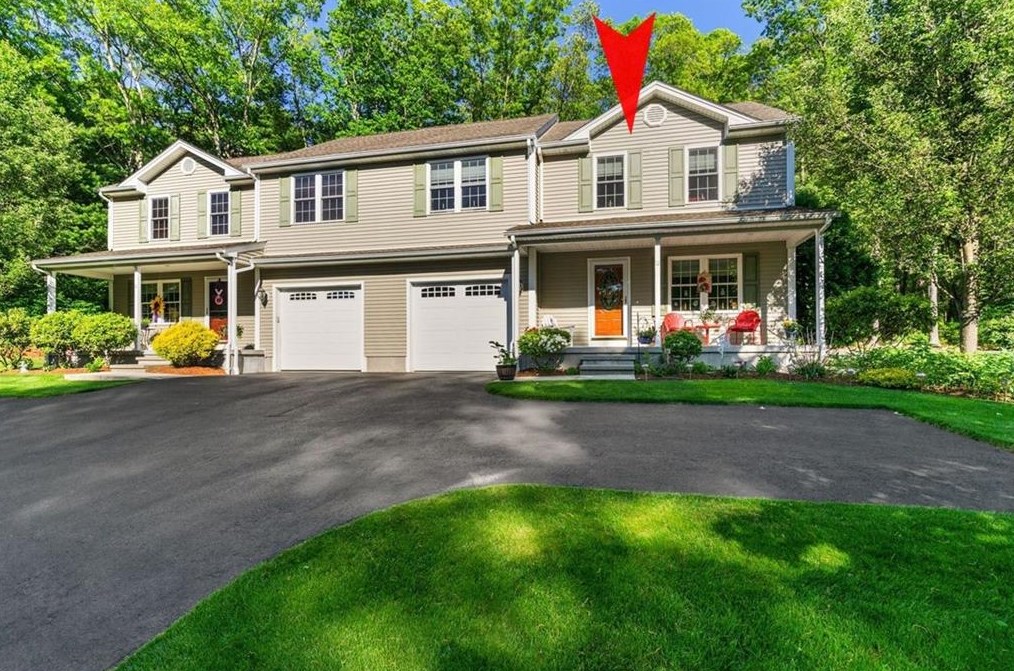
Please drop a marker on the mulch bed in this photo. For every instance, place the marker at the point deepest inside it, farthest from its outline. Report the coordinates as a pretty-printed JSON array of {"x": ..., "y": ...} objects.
[{"x": 191, "y": 370}]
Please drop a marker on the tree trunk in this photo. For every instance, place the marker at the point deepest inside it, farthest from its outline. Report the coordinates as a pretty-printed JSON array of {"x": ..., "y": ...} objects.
[
  {"x": 934, "y": 299},
  {"x": 970, "y": 311}
]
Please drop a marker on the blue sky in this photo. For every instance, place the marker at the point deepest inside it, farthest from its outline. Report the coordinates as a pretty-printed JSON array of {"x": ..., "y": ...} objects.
[{"x": 706, "y": 14}]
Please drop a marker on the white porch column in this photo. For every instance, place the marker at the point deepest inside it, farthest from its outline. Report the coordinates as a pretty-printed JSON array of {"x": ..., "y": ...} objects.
[
  {"x": 515, "y": 294},
  {"x": 790, "y": 280},
  {"x": 819, "y": 302},
  {"x": 657, "y": 309},
  {"x": 50, "y": 292},
  {"x": 231, "y": 345},
  {"x": 257, "y": 307},
  {"x": 137, "y": 304},
  {"x": 533, "y": 285}
]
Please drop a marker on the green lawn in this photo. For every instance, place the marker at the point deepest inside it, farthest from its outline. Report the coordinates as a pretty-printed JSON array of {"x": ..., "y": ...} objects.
[
  {"x": 984, "y": 420},
  {"x": 521, "y": 578},
  {"x": 37, "y": 386}
]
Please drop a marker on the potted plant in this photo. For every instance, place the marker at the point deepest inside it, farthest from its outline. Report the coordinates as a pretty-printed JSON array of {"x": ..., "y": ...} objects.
[
  {"x": 506, "y": 361},
  {"x": 791, "y": 328},
  {"x": 646, "y": 334}
]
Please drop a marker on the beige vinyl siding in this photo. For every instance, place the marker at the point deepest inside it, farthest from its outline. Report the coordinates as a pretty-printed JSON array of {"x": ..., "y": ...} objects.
[
  {"x": 762, "y": 174},
  {"x": 173, "y": 182},
  {"x": 563, "y": 283},
  {"x": 682, "y": 127},
  {"x": 123, "y": 301},
  {"x": 385, "y": 288},
  {"x": 761, "y": 166},
  {"x": 386, "y": 218}
]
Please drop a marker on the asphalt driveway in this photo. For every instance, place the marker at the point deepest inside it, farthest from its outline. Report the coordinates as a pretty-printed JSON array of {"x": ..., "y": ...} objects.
[{"x": 120, "y": 509}]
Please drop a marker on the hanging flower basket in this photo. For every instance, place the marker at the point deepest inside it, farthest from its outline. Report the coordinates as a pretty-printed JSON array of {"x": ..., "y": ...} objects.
[
  {"x": 157, "y": 306},
  {"x": 704, "y": 282}
]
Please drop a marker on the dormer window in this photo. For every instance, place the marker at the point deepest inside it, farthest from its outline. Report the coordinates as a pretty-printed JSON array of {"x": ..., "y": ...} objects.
[
  {"x": 458, "y": 185},
  {"x": 609, "y": 181},
  {"x": 702, "y": 174}
]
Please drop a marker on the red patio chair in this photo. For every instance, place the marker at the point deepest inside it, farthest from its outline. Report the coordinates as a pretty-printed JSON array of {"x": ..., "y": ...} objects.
[
  {"x": 745, "y": 326},
  {"x": 673, "y": 322}
]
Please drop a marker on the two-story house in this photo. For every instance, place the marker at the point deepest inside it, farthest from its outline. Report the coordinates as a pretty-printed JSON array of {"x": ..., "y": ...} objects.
[{"x": 410, "y": 251}]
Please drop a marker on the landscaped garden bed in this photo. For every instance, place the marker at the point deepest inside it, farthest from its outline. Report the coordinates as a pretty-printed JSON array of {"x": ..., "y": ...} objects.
[{"x": 526, "y": 578}]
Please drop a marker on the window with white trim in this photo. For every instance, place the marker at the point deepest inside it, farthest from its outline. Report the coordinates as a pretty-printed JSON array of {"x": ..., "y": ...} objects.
[
  {"x": 437, "y": 292},
  {"x": 319, "y": 197},
  {"x": 723, "y": 273},
  {"x": 171, "y": 294},
  {"x": 458, "y": 185},
  {"x": 159, "y": 213},
  {"x": 482, "y": 290},
  {"x": 609, "y": 181},
  {"x": 218, "y": 212},
  {"x": 702, "y": 174}
]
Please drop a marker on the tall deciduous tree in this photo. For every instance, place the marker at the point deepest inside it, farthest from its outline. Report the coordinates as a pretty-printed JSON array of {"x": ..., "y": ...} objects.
[{"x": 909, "y": 116}]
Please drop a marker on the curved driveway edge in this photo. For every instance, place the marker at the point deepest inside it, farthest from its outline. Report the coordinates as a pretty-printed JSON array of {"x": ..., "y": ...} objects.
[{"x": 120, "y": 509}]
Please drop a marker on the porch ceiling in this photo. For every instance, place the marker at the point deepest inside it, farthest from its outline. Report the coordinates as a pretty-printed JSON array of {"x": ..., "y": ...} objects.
[
  {"x": 106, "y": 264},
  {"x": 792, "y": 237}
]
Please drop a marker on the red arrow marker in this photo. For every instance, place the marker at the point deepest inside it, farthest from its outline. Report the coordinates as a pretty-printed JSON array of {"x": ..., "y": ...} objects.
[{"x": 626, "y": 56}]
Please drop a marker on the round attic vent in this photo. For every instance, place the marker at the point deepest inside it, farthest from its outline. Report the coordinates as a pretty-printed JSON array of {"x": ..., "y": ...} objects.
[
  {"x": 187, "y": 166},
  {"x": 654, "y": 115}
]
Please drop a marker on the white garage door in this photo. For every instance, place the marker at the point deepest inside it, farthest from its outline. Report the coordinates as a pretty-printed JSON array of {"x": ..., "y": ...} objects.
[
  {"x": 453, "y": 322},
  {"x": 321, "y": 329}
]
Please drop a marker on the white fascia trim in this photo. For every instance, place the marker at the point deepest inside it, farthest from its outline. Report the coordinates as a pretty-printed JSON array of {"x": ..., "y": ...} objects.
[
  {"x": 672, "y": 94},
  {"x": 170, "y": 154},
  {"x": 380, "y": 257}
]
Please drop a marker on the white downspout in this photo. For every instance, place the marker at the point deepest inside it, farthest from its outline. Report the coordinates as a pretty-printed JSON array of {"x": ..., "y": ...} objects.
[
  {"x": 532, "y": 195},
  {"x": 515, "y": 291}
]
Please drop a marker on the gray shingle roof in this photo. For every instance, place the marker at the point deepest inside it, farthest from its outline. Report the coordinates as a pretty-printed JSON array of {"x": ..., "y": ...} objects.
[
  {"x": 760, "y": 111},
  {"x": 434, "y": 135}
]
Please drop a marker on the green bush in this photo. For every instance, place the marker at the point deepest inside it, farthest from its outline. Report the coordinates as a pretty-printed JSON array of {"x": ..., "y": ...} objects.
[
  {"x": 766, "y": 366},
  {"x": 185, "y": 344},
  {"x": 103, "y": 333},
  {"x": 54, "y": 334},
  {"x": 700, "y": 368},
  {"x": 731, "y": 370},
  {"x": 810, "y": 370},
  {"x": 681, "y": 347},
  {"x": 997, "y": 332},
  {"x": 987, "y": 374},
  {"x": 889, "y": 378},
  {"x": 95, "y": 365},
  {"x": 15, "y": 336},
  {"x": 544, "y": 346},
  {"x": 865, "y": 314}
]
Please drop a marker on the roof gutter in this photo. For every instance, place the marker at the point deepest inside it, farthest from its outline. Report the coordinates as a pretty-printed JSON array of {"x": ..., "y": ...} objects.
[{"x": 653, "y": 226}]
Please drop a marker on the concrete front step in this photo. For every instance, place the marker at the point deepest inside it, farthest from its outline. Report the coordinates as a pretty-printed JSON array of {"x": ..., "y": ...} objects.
[{"x": 608, "y": 367}]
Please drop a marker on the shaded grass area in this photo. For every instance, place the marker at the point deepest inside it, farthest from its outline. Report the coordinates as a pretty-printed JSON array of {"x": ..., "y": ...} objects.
[
  {"x": 984, "y": 420},
  {"x": 39, "y": 386},
  {"x": 525, "y": 577}
]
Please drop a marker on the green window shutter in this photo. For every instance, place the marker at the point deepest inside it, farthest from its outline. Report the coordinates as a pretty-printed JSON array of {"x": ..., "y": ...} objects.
[
  {"x": 236, "y": 214},
  {"x": 677, "y": 196},
  {"x": 174, "y": 217},
  {"x": 496, "y": 184},
  {"x": 634, "y": 180},
  {"x": 420, "y": 190},
  {"x": 351, "y": 195},
  {"x": 202, "y": 214},
  {"x": 751, "y": 279},
  {"x": 187, "y": 297},
  {"x": 284, "y": 201},
  {"x": 142, "y": 220},
  {"x": 584, "y": 184},
  {"x": 730, "y": 172}
]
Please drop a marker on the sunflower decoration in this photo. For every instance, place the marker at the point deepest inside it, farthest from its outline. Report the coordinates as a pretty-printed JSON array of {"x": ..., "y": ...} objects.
[{"x": 157, "y": 306}]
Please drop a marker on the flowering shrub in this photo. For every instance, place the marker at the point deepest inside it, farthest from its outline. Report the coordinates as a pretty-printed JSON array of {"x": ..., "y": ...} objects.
[
  {"x": 889, "y": 378},
  {"x": 544, "y": 346},
  {"x": 185, "y": 344}
]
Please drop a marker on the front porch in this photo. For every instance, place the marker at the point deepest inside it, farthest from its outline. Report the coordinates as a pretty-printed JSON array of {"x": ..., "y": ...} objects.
[
  {"x": 604, "y": 284},
  {"x": 214, "y": 285}
]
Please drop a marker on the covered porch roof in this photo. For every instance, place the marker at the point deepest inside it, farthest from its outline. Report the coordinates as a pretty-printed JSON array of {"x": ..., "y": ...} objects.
[
  {"x": 106, "y": 264},
  {"x": 794, "y": 225}
]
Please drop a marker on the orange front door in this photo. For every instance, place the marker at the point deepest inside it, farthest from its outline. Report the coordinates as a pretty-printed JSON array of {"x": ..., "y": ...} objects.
[{"x": 609, "y": 300}]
